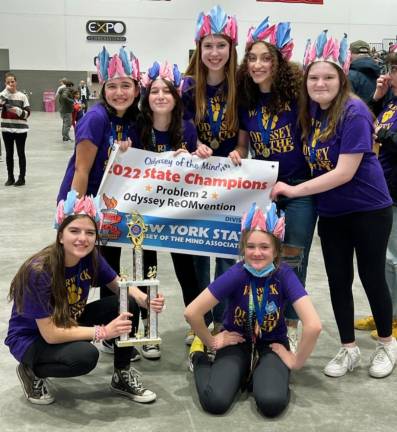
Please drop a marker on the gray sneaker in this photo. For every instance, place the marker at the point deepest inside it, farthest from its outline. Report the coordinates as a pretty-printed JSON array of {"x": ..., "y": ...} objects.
[
  {"x": 35, "y": 389},
  {"x": 127, "y": 382}
]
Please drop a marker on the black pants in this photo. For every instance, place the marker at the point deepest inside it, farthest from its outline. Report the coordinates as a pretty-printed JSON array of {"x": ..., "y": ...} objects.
[
  {"x": 218, "y": 383},
  {"x": 366, "y": 234},
  {"x": 185, "y": 273},
  {"x": 19, "y": 139},
  {"x": 77, "y": 358}
]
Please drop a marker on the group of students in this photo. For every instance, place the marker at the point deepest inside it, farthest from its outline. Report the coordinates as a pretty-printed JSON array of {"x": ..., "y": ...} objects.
[{"x": 266, "y": 108}]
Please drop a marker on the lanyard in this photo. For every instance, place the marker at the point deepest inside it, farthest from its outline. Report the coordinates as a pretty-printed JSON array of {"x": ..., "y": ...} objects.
[
  {"x": 260, "y": 308},
  {"x": 265, "y": 132},
  {"x": 313, "y": 138},
  {"x": 118, "y": 132},
  {"x": 215, "y": 125}
]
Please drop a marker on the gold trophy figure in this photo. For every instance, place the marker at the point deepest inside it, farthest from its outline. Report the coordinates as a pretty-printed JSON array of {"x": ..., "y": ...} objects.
[{"x": 136, "y": 233}]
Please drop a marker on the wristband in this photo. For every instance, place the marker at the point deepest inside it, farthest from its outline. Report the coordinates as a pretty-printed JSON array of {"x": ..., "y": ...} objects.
[{"x": 100, "y": 333}]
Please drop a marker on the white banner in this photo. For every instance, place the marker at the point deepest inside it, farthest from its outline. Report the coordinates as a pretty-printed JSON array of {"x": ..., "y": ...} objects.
[{"x": 189, "y": 205}]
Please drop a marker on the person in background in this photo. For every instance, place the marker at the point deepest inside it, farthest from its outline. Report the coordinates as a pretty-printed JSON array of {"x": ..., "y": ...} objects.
[
  {"x": 84, "y": 95},
  {"x": 352, "y": 200},
  {"x": 15, "y": 110},
  {"x": 364, "y": 71},
  {"x": 386, "y": 139},
  {"x": 78, "y": 111},
  {"x": 66, "y": 109}
]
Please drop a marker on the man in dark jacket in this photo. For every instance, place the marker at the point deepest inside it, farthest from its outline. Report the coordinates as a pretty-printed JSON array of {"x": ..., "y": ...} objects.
[
  {"x": 363, "y": 72},
  {"x": 66, "y": 108}
]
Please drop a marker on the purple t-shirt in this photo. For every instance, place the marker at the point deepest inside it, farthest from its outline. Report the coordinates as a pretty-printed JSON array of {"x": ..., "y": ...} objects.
[
  {"x": 283, "y": 143},
  {"x": 215, "y": 94},
  {"x": 23, "y": 330},
  {"x": 367, "y": 190},
  {"x": 162, "y": 139},
  {"x": 387, "y": 119},
  {"x": 101, "y": 129},
  {"x": 234, "y": 285}
]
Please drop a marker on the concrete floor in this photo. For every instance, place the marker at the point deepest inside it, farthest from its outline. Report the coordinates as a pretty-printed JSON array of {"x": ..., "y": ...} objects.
[{"x": 355, "y": 402}]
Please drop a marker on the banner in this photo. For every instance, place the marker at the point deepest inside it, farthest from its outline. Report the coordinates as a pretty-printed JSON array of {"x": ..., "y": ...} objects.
[
  {"x": 294, "y": 1},
  {"x": 188, "y": 204}
]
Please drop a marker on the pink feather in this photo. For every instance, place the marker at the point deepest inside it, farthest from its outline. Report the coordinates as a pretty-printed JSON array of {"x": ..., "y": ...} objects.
[
  {"x": 328, "y": 49},
  {"x": 270, "y": 33},
  {"x": 259, "y": 220},
  {"x": 119, "y": 68},
  {"x": 287, "y": 50},
  {"x": 60, "y": 215},
  {"x": 336, "y": 50},
  {"x": 279, "y": 229},
  {"x": 206, "y": 27},
  {"x": 346, "y": 66},
  {"x": 231, "y": 29},
  {"x": 112, "y": 66},
  {"x": 312, "y": 53}
]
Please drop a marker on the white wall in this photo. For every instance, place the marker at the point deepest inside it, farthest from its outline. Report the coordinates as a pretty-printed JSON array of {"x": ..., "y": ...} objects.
[{"x": 51, "y": 35}]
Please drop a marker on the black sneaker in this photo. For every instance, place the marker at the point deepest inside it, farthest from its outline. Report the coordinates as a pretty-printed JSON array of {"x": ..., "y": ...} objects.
[
  {"x": 20, "y": 182},
  {"x": 135, "y": 356},
  {"x": 35, "y": 389},
  {"x": 127, "y": 382},
  {"x": 9, "y": 182},
  {"x": 106, "y": 347}
]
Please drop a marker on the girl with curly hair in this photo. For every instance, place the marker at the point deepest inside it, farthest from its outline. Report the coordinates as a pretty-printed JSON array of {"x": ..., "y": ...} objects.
[{"x": 268, "y": 90}]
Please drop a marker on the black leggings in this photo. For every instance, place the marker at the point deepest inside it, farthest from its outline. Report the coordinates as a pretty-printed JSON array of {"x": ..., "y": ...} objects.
[
  {"x": 366, "y": 234},
  {"x": 19, "y": 139},
  {"x": 77, "y": 358},
  {"x": 218, "y": 383}
]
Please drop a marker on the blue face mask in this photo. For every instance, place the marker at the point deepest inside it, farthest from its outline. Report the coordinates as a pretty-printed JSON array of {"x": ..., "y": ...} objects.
[{"x": 260, "y": 273}]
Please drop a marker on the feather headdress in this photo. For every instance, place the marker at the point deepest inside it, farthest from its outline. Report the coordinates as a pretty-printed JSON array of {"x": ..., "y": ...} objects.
[
  {"x": 164, "y": 71},
  {"x": 256, "y": 219},
  {"x": 120, "y": 65},
  {"x": 328, "y": 49},
  {"x": 278, "y": 35},
  {"x": 86, "y": 205},
  {"x": 216, "y": 22}
]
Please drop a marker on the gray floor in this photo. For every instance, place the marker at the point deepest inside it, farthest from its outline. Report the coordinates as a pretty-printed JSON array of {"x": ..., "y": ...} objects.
[{"x": 355, "y": 402}]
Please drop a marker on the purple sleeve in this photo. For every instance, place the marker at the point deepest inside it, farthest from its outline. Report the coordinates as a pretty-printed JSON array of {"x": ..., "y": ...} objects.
[
  {"x": 356, "y": 129},
  {"x": 292, "y": 286},
  {"x": 93, "y": 126},
  {"x": 105, "y": 273},
  {"x": 190, "y": 136},
  {"x": 229, "y": 282},
  {"x": 36, "y": 300}
]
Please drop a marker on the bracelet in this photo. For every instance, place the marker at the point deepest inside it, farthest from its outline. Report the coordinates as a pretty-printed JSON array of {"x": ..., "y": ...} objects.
[{"x": 100, "y": 333}]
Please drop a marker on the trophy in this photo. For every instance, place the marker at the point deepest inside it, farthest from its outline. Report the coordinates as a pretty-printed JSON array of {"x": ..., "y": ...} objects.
[{"x": 136, "y": 233}]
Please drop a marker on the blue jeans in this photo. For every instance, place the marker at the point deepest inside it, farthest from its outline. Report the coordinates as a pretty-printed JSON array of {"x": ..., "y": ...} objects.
[
  {"x": 202, "y": 265},
  {"x": 300, "y": 221},
  {"x": 391, "y": 263}
]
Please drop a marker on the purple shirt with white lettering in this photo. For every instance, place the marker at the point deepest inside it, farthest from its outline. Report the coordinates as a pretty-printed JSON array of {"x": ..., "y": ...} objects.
[
  {"x": 23, "y": 330},
  {"x": 216, "y": 94},
  {"x": 98, "y": 127},
  {"x": 283, "y": 145},
  {"x": 367, "y": 190},
  {"x": 235, "y": 284}
]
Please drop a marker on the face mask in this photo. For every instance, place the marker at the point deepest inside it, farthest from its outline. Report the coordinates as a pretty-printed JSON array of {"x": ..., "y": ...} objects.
[{"x": 260, "y": 273}]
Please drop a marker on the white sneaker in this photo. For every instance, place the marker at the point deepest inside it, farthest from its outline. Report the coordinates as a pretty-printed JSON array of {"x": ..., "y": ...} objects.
[
  {"x": 292, "y": 335},
  {"x": 345, "y": 361},
  {"x": 189, "y": 337},
  {"x": 383, "y": 359}
]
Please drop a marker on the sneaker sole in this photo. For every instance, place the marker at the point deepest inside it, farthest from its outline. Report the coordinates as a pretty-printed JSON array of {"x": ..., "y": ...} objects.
[
  {"x": 151, "y": 355},
  {"x": 31, "y": 400},
  {"x": 135, "y": 398},
  {"x": 379, "y": 374}
]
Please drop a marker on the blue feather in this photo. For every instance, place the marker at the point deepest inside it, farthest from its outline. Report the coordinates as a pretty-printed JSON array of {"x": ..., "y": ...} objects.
[
  {"x": 218, "y": 19},
  {"x": 104, "y": 63},
  {"x": 177, "y": 76},
  {"x": 261, "y": 28},
  {"x": 153, "y": 72},
  {"x": 250, "y": 215},
  {"x": 283, "y": 34},
  {"x": 68, "y": 205},
  {"x": 199, "y": 24},
  {"x": 124, "y": 60},
  {"x": 271, "y": 218},
  {"x": 320, "y": 42},
  {"x": 343, "y": 50}
]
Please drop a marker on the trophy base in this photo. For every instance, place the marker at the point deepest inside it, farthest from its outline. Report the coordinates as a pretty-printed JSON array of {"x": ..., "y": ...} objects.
[{"x": 138, "y": 342}]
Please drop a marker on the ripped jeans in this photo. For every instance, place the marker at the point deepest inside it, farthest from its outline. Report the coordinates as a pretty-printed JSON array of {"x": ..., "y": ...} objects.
[
  {"x": 300, "y": 221},
  {"x": 391, "y": 263}
]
